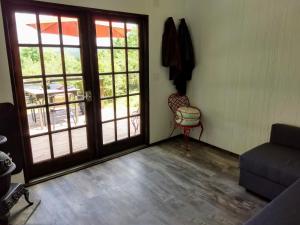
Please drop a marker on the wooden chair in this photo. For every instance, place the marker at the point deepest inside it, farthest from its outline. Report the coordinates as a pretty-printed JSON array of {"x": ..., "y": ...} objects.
[
  {"x": 135, "y": 121},
  {"x": 58, "y": 113},
  {"x": 32, "y": 101},
  {"x": 176, "y": 101}
]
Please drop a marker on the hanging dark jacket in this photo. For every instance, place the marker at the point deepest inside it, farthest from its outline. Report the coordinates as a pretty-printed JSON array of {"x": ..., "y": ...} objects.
[
  {"x": 170, "y": 48},
  {"x": 187, "y": 58},
  {"x": 186, "y": 50}
]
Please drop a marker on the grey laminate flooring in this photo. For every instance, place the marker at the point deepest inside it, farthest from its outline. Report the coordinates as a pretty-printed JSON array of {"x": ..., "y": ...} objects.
[{"x": 160, "y": 185}]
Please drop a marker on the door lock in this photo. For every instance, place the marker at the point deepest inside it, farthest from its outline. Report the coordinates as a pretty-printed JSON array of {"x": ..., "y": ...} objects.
[{"x": 88, "y": 96}]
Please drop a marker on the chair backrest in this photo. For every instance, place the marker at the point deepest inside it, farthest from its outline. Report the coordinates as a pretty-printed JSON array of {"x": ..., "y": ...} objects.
[
  {"x": 175, "y": 101},
  {"x": 286, "y": 135}
]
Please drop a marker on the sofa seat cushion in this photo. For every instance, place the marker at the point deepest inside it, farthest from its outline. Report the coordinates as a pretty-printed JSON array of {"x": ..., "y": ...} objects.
[
  {"x": 277, "y": 163},
  {"x": 283, "y": 210}
]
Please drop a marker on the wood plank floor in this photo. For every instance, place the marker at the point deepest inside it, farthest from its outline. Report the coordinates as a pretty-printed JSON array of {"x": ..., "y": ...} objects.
[{"x": 160, "y": 185}]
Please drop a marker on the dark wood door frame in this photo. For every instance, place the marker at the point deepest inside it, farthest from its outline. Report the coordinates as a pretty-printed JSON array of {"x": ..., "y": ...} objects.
[
  {"x": 87, "y": 29},
  {"x": 144, "y": 137}
]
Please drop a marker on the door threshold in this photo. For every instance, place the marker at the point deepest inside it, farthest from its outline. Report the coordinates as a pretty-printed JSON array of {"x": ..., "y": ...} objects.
[{"x": 84, "y": 166}]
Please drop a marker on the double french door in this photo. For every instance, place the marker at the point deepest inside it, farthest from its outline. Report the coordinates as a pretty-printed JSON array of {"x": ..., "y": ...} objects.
[{"x": 80, "y": 82}]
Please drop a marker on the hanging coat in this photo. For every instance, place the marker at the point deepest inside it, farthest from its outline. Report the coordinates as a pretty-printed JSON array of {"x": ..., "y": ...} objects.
[
  {"x": 186, "y": 50},
  {"x": 187, "y": 58},
  {"x": 170, "y": 48}
]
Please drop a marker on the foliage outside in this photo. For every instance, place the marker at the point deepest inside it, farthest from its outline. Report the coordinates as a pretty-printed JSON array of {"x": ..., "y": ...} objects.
[{"x": 31, "y": 66}]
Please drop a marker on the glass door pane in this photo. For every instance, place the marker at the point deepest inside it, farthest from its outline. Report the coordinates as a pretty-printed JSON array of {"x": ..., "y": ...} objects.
[
  {"x": 118, "y": 52},
  {"x": 53, "y": 84}
]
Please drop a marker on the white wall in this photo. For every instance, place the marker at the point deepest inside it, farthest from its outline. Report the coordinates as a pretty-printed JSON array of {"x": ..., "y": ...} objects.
[
  {"x": 248, "y": 71},
  {"x": 160, "y": 86},
  {"x": 5, "y": 87}
]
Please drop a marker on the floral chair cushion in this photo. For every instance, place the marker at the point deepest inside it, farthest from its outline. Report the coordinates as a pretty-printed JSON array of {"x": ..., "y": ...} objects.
[{"x": 188, "y": 116}]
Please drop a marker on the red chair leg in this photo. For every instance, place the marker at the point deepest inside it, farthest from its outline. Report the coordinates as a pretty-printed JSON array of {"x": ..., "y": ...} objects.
[
  {"x": 201, "y": 125},
  {"x": 186, "y": 132},
  {"x": 173, "y": 130}
]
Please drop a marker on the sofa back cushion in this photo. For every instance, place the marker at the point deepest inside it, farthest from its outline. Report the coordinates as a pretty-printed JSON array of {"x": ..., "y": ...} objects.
[{"x": 286, "y": 135}]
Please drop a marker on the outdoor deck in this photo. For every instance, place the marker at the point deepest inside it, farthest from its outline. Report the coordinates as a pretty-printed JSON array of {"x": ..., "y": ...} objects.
[{"x": 61, "y": 146}]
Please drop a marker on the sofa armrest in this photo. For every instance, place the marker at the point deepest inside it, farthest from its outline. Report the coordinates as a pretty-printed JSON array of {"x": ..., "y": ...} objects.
[
  {"x": 283, "y": 210},
  {"x": 286, "y": 135}
]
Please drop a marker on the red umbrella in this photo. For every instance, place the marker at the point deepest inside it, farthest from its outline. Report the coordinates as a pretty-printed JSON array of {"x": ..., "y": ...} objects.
[{"x": 70, "y": 28}]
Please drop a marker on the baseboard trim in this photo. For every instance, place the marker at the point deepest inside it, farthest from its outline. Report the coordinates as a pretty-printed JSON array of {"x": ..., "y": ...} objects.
[
  {"x": 165, "y": 140},
  {"x": 198, "y": 141},
  {"x": 217, "y": 148}
]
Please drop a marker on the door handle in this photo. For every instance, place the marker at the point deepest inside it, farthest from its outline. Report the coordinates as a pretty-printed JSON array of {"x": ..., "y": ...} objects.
[{"x": 88, "y": 96}]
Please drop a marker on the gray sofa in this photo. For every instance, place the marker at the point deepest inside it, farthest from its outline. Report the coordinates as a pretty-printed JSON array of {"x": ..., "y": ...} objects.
[
  {"x": 272, "y": 170},
  {"x": 283, "y": 210}
]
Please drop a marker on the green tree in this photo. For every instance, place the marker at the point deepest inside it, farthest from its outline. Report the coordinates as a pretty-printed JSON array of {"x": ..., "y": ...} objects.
[
  {"x": 30, "y": 61},
  {"x": 31, "y": 64}
]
